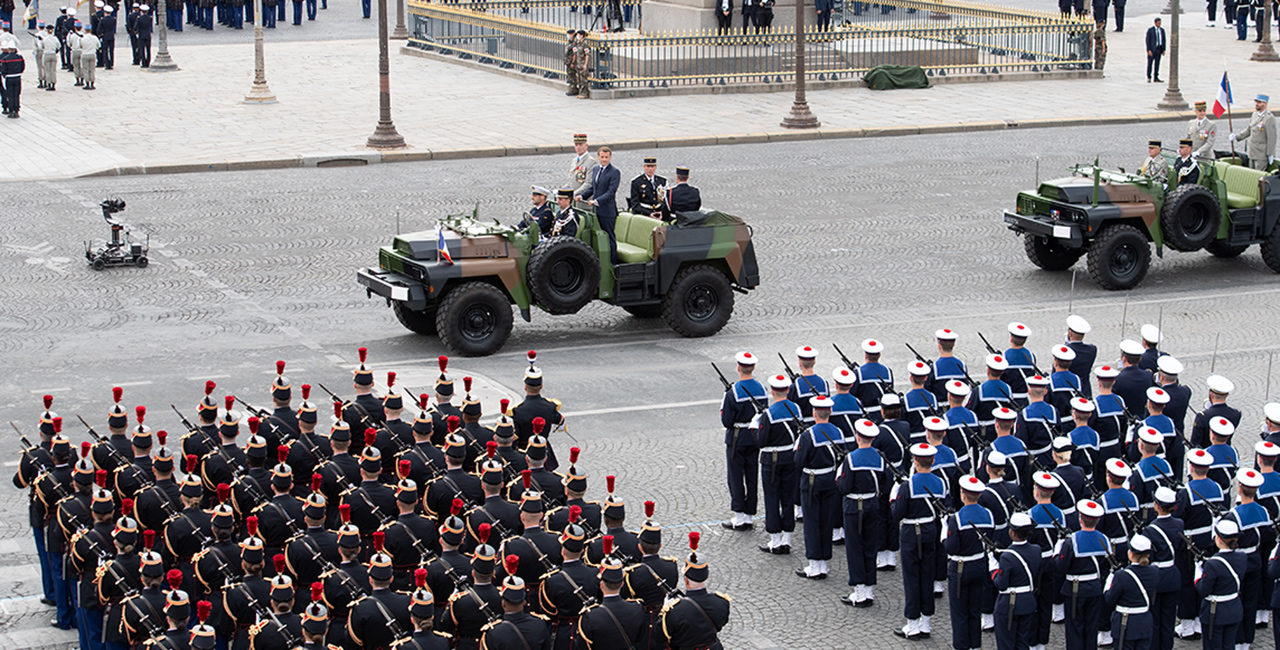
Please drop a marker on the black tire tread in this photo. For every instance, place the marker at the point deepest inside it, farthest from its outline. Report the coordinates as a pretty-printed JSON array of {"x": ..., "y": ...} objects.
[
  {"x": 1271, "y": 251},
  {"x": 1044, "y": 260},
  {"x": 419, "y": 322},
  {"x": 453, "y": 301},
  {"x": 542, "y": 255},
  {"x": 1173, "y": 203},
  {"x": 1222, "y": 250},
  {"x": 673, "y": 316},
  {"x": 1098, "y": 267}
]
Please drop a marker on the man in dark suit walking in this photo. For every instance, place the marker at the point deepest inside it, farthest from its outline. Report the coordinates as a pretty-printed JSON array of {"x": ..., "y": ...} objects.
[
  {"x": 603, "y": 195},
  {"x": 1155, "y": 49}
]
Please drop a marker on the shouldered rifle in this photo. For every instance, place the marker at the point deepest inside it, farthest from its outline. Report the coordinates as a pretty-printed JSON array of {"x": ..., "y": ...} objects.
[
  {"x": 122, "y": 463},
  {"x": 269, "y": 418},
  {"x": 848, "y": 363},
  {"x": 791, "y": 373},
  {"x": 939, "y": 507},
  {"x": 990, "y": 348},
  {"x": 728, "y": 386}
]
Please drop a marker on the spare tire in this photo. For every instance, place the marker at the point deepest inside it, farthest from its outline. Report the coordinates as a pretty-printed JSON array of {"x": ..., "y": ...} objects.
[
  {"x": 564, "y": 275},
  {"x": 1190, "y": 217}
]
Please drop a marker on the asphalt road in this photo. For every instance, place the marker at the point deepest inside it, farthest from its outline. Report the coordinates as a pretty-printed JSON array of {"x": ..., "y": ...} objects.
[{"x": 890, "y": 238}]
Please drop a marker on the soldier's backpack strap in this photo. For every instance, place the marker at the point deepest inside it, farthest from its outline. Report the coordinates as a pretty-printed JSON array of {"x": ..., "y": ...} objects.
[
  {"x": 281, "y": 424},
  {"x": 519, "y": 635},
  {"x": 702, "y": 611},
  {"x": 622, "y": 634}
]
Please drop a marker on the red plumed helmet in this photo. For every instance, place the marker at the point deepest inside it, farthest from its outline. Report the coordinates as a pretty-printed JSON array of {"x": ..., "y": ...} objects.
[
  {"x": 379, "y": 538},
  {"x": 191, "y": 463},
  {"x": 503, "y": 404},
  {"x": 607, "y": 544},
  {"x": 85, "y": 447},
  {"x": 370, "y": 436},
  {"x": 208, "y": 387},
  {"x": 148, "y": 538},
  {"x": 482, "y": 532},
  {"x": 648, "y": 509},
  {"x": 694, "y": 538},
  {"x": 363, "y": 353},
  {"x": 279, "y": 562},
  {"x": 317, "y": 591},
  {"x": 538, "y": 425},
  {"x": 174, "y": 577},
  {"x": 306, "y": 392},
  {"x": 443, "y": 361},
  {"x": 404, "y": 466},
  {"x": 420, "y": 578},
  {"x": 423, "y": 400},
  {"x": 229, "y": 401},
  {"x": 48, "y": 401},
  {"x": 391, "y": 379},
  {"x": 100, "y": 477},
  {"x": 224, "y": 492},
  {"x": 126, "y": 507},
  {"x": 203, "y": 608},
  {"x": 141, "y": 413},
  {"x": 574, "y": 513},
  {"x": 466, "y": 384},
  {"x": 280, "y": 367},
  {"x": 251, "y": 525},
  {"x": 490, "y": 448},
  {"x": 573, "y": 455},
  {"x": 282, "y": 454},
  {"x": 254, "y": 423},
  {"x": 57, "y": 424},
  {"x": 344, "y": 511},
  {"x": 117, "y": 393},
  {"x": 162, "y": 436},
  {"x": 608, "y": 482},
  {"x": 337, "y": 410},
  {"x": 511, "y": 563},
  {"x": 526, "y": 476},
  {"x": 532, "y": 355},
  {"x": 451, "y": 423},
  {"x": 456, "y": 507},
  {"x": 316, "y": 481}
]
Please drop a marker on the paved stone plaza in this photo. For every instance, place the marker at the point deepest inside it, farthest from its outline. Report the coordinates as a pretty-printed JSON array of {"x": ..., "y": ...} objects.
[{"x": 856, "y": 238}]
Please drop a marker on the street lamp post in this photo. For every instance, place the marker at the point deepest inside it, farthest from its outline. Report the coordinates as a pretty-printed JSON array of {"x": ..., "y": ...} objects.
[
  {"x": 800, "y": 116},
  {"x": 163, "y": 62},
  {"x": 259, "y": 93},
  {"x": 1265, "y": 51},
  {"x": 1173, "y": 100},
  {"x": 400, "y": 32},
  {"x": 384, "y": 135}
]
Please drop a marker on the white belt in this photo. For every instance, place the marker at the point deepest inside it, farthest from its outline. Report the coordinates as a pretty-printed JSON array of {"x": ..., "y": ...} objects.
[
  {"x": 1109, "y": 443},
  {"x": 1130, "y": 610},
  {"x": 1163, "y": 564},
  {"x": 1068, "y": 511},
  {"x": 819, "y": 472},
  {"x": 1251, "y": 549},
  {"x": 742, "y": 425},
  {"x": 873, "y": 409},
  {"x": 917, "y": 522},
  {"x": 1037, "y": 452},
  {"x": 1118, "y": 540},
  {"x": 1214, "y": 598},
  {"x": 862, "y": 496},
  {"x": 1024, "y": 589},
  {"x": 1198, "y": 531},
  {"x": 966, "y": 558},
  {"x": 779, "y": 448},
  {"x": 1084, "y": 577}
]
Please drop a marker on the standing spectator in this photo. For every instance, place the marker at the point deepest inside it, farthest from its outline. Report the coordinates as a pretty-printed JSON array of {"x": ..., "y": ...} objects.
[
  {"x": 131, "y": 28},
  {"x": 49, "y": 58},
  {"x": 1119, "y": 9},
  {"x": 1212, "y": 7},
  {"x": 1064, "y": 8},
  {"x": 1155, "y": 50},
  {"x": 764, "y": 17},
  {"x": 6, "y": 11},
  {"x": 1242, "y": 20},
  {"x": 1228, "y": 9},
  {"x": 144, "y": 36},
  {"x": 311, "y": 9},
  {"x": 173, "y": 15},
  {"x": 62, "y": 27},
  {"x": 824, "y": 8},
  {"x": 1100, "y": 10},
  {"x": 269, "y": 13},
  {"x": 89, "y": 44},
  {"x": 11, "y": 67},
  {"x": 1258, "y": 15},
  {"x": 297, "y": 12},
  {"x": 724, "y": 16},
  {"x": 748, "y": 13}
]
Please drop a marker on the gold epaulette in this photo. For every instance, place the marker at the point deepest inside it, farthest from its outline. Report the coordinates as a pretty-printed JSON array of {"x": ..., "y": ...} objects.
[
  {"x": 256, "y": 629},
  {"x": 724, "y": 596},
  {"x": 490, "y": 625},
  {"x": 444, "y": 635},
  {"x": 456, "y": 595},
  {"x": 540, "y": 617},
  {"x": 99, "y": 572},
  {"x": 667, "y": 605}
]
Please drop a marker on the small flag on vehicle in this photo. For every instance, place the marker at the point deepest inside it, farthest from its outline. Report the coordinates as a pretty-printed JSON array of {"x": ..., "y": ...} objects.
[
  {"x": 1223, "y": 103},
  {"x": 442, "y": 249}
]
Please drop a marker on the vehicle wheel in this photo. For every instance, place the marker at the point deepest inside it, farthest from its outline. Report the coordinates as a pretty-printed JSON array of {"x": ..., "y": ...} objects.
[
  {"x": 98, "y": 264},
  {"x": 474, "y": 319},
  {"x": 1220, "y": 248},
  {"x": 1189, "y": 219},
  {"x": 1271, "y": 250},
  {"x": 563, "y": 274},
  {"x": 699, "y": 302},
  {"x": 1048, "y": 254},
  {"x": 1119, "y": 257},
  {"x": 418, "y": 321},
  {"x": 644, "y": 311},
  {"x": 141, "y": 262}
]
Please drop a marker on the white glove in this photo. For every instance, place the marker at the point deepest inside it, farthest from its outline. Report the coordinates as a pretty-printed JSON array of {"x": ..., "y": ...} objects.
[
  {"x": 1110, "y": 578},
  {"x": 1232, "y": 138},
  {"x": 1275, "y": 551},
  {"x": 1270, "y": 159},
  {"x": 946, "y": 528},
  {"x": 993, "y": 565},
  {"x": 1199, "y": 570},
  {"x": 1057, "y": 548},
  {"x": 893, "y": 494}
]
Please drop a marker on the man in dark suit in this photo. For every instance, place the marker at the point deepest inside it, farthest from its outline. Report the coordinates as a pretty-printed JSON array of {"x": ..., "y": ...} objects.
[
  {"x": 724, "y": 16},
  {"x": 646, "y": 191},
  {"x": 1155, "y": 49},
  {"x": 603, "y": 195},
  {"x": 683, "y": 197}
]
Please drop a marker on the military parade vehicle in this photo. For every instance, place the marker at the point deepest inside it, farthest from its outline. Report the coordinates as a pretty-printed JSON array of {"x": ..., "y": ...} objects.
[
  {"x": 1114, "y": 217},
  {"x": 459, "y": 281}
]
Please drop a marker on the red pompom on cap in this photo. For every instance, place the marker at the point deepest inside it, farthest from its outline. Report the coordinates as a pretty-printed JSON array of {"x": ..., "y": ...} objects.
[{"x": 482, "y": 532}]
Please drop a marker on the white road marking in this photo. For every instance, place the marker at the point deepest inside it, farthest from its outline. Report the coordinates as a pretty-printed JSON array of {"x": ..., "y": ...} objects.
[
  {"x": 641, "y": 407},
  {"x": 50, "y": 390}
]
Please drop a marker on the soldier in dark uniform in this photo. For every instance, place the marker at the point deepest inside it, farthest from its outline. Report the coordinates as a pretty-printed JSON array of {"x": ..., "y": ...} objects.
[
  {"x": 990, "y": 395},
  {"x": 422, "y": 613},
  {"x": 1219, "y": 389},
  {"x": 647, "y": 190},
  {"x": 91, "y": 549},
  {"x": 1130, "y": 593},
  {"x": 185, "y": 532},
  {"x": 742, "y": 444},
  {"x": 536, "y": 406},
  {"x": 282, "y": 628},
  {"x": 155, "y": 502},
  {"x": 861, "y": 481},
  {"x": 478, "y": 436},
  {"x": 819, "y": 453},
  {"x": 1133, "y": 381},
  {"x": 695, "y": 619},
  {"x": 965, "y": 535},
  {"x": 1169, "y": 556},
  {"x": 315, "y": 620},
  {"x": 282, "y": 423},
  {"x": 411, "y": 537},
  {"x": 540, "y": 213},
  {"x": 1086, "y": 353},
  {"x": 205, "y": 436},
  {"x": 1152, "y": 337},
  {"x": 1187, "y": 168},
  {"x": 120, "y": 576},
  {"x": 472, "y": 608},
  {"x": 365, "y": 410},
  {"x": 444, "y": 403},
  {"x": 142, "y": 614},
  {"x": 142, "y": 27},
  {"x": 455, "y": 482},
  {"x": 426, "y": 461},
  {"x": 71, "y": 515},
  {"x": 344, "y": 583},
  {"x": 382, "y": 617},
  {"x": 780, "y": 425},
  {"x": 226, "y": 460},
  {"x": 683, "y": 197},
  {"x": 1015, "y": 576},
  {"x": 241, "y": 601},
  {"x": 203, "y": 635},
  {"x": 309, "y": 449},
  {"x": 575, "y": 489},
  {"x": 625, "y": 542},
  {"x": 1218, "y": 583},
  {"x": 51, "y": 487},
  {"x": 614, "y": 621},
  {"x": 372, "y": 503},
  {"x": 117, "y": 425},
  {"x": 130, "y": 478},
  {"x": 570, "y": 588},
  {"x": 177, "y": 612},
  {"x": 913, "y": 507},
  {"x": 278, "y": 517},
  {"x": 250, "y": 489},
  {"x": 518, "y": 629},
  {"x": 1022, "y": 362},
  {"x": 504, "y": 433},
  {"x": 651, "y": 580},
  {"x": 538, "y": 550},
  {"x": 308, "y": 554},
  {"x": 1050, "y": 528},
  {"x": 448, "y": 573},
  {"x": 341, "y": 471},
  {"x": 1064, "y": 385},
  {"x": 1179, "y": 394},
  {"x": 495, "y": 510},
  {"x": 1082, "y": 559},
  {"x": 545, "y": 481},
  {"x": 396, "y": 434}
]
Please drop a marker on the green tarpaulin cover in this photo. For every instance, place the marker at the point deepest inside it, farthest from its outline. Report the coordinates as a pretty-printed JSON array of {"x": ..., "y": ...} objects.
[{"x": 886, "y": 77}]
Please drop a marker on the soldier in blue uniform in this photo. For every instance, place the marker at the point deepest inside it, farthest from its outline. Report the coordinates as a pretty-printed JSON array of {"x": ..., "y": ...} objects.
[
  {"x": 991, "y": 395},
  {"x": 1271, "y": 430},
  {"x": 1074, "y": 485},
  {"x": 1123, "y": 516},
  {"x": 142, "y": 28},
  {"x": 1225, "y": 459},
  {"x": 1010, "y": 447},
  {"x": 963, "y": 434},
  {"x": 819, "y": 452},
  {"x": 861, "y": 480},
  {"x": 919, "y": 402},
  {"x": 1169, "y": 555},
  {"x": 1179, "y": 394},
  {"x": 1218, "y": 583},
  {"x": 1037, "y": 423},
  {"x": 893, "y": 442},
  {"x": 964, "y": 537},
  {"x": 742, "y": 443},
  {"x": 1198, "y": 503},
  {"x": 916, "y": 505},
  {"x": 874, "y": 378},
  {"x": 1050, "y": 526},
  {"x": 1256, "y": 532},
  {"x": 845, "y": 408},
  {"x": 1082, "y": 559},
  {"x": 779, "y": 427},
  {"x": 1109, "y": 417},
  {"x": 945, "y": 463},
  {"x": 1219, "y": 389},
  {"x": 947, "y": 367},
  {"x": 540, "y": 213},
  {"x": 1001, "y": 496},
  {"x": 1016, "y": 578},
  {"x": 1132, "y": 382},
  {"x": 1085, "y": 440},
  {"x": 1151, "y": 470},
  {"x": 1086, "y": 353},
  {"x": 1130, "y": 593},
  {"x": 1064, "y": 385},
  {"x": 1152, "y": 337},
  {"x": 1022, "y": 362}
]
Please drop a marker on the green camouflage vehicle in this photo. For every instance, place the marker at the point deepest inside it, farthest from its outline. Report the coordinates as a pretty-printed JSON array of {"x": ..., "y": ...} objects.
[
  {"x": 1114, "y": 217},
  {"x": 686, "y": 272}
]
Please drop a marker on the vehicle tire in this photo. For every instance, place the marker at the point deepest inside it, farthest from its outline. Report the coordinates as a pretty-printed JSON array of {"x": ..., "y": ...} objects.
[
  {"x": 563, "y": 274},
  {"x": 1119, "y": 257},
  {"x": 1048, "y": 254},
  {"x": 98, "y": 264},
  {"x": 1271, "y": 250},
  {"x": 141, "y": 262},
  {"x": 644, "y": 311},
  {"x": 1189, "y": 218},
  {"x": 419, "y": 321},
  {"x": 699, "y": 302},
  {"x": 474, "y": 319},
  {"x": 1220, "y": 248}
]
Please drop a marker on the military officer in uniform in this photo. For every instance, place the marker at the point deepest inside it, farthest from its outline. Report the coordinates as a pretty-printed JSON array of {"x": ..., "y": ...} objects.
[
  {"x": 651, "y": 580},
  {"x": 916, "y": 505},
  {"x": 582, "y": 170},
  {"x": 613, "y": 621},
  {"x": 819, "y": 452},
  {"x": 422, "y": 614},
  {"x": 965, "y": 536},
  {"x": 1130, "y": 593},
  {"x": 683, "y": 197},
  {"x": 1261, "y": 134},
  {"x": 1016, "y": 576},
  {"x": 575, "y": 490},
  {"x": 625, "y": 543},
  {"x": 861, "y": 480},
  {"x": 540, "y": 213},
  {"x": 647, "y": 190},
  {"x": 1086, "y": 353},
  {"x": 411, "y": 537},
  {"x": 444, "y": 403},
  {"x": 518, "y": 629},
  {"x": 381, "y": 617},
  {"x": 570, "y": 588},
  {"x": 1132, "y": 382},
  {"x": 565, "y": 221},
  {"x": 533, "y": 406},
  {"x": 472, "y": 608},
  {"x": 1154, "y": 167},
  {"x": 1203, "y": 133},
  {"x": 495, "y": 510},
  {"x": 1082, "y": 559},
  {"x": 1169, "y": 556},
  {"x": 1219, "y": 389},
  {"x": 695, "y": 620},
  {"x": 1218, "y": 583},
  {"x": 1187, "y": 168}
]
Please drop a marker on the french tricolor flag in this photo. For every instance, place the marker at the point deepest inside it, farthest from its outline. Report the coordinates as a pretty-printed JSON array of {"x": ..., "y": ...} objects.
[
  {"x": 1223, "y": 103},
  {"x": 442, "y": 249}
]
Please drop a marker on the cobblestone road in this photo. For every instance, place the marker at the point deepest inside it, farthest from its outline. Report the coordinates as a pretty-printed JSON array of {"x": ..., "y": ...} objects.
[{"x": 885, "y": 238}]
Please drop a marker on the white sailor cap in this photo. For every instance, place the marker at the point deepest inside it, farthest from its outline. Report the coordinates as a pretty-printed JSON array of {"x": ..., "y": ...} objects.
[
  {"x": 1106, "y": 372},
  {"x": 1249, "y": 477},
  {"x": 1166, "y": 495},
  {"x": 866, "y": 428},
  {"x": 918, "y": 368},
  {"x": 1064, "y": 353},
  {"x": 1063, "y": 443},
  {"x": 1221, "y": 426},
  {"x": 970, "y": 483},
  {"x": 806, "y": 352},
  {"x": 843, "y": 376},
  {"x": 934, "y": 423},
  {"x": 1272, "y": 411},
  {"x": 745, "y": 359},
  {"x": 779, "y": 382},
  {"x": 145, "y": 7},
  {"x": 1078, "y": 324},
  {"x": 538, "y": 189},
  {"x": 71, "y": 11},
  {"x": 1226, "y": 528},
  {"x": 872, "y": 346},
  {"x": 890, "y": 399},
  {"x": 1090, "y": 508},
  {"x": 996, "y": 458},
  {"x": 1046, "y": 480},
  {"x": 1131, "y": 347},
  {"x": 1219, "y": 384},
  {"x": 1157, "y": 395},
  {"x": 1019, "y": 329},
  {"x": 1140, "y": 544},
  {"x": 821, "y": 402},
  {"x": 1037, "y": 380},
  {"x": 1081, "y": 404},
  {"x": 924, "y": 450},
  {"x": 1199, "y": 458},
  {"x": 1005, "y": 413},
  {"x": 1169, "y": 365},
  {"x": 958, "y": 388},
  {"x": 1021, "y": 520},
  {"x": 98, "y": 3},
  {"x": 1150, "y": 333},
  {"x": 109, "y": 9},
  {"x": 1150, "y": 435},
  {"x": 1266, "y": 448},
  {"x": 945, "y": 334},
  {"x": 997, "y": 362},
  {"x": 1118, "y": 468}
]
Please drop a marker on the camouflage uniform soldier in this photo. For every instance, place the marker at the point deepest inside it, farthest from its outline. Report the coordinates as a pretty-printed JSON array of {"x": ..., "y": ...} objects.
[
  {"x": 1100, "y": 45},
  {"x": 570, "y": 65},
  {"x": 1155, "y": 166},
  {"x": 580, "y": 54}
]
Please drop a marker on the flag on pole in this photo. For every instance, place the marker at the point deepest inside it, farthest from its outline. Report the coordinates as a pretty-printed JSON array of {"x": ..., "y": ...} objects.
[
  {"x": 1223, "y": 103},
  {"x": 442, "y": 249},
  {"x": 32, "y": 10}
]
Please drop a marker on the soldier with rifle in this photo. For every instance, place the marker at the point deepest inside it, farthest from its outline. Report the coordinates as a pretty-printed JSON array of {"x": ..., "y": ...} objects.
[
  {"x": 365, "y": 410},
  {"x": 156, "y": 499},
  {"x": 536, "y": 456},
  {"x": 371, "y": 503},
  {"x": 309, "y": 449},
  {"x": 694, "y": 619},
  {"x": 30, "y": 464},
  {"x": 426, "y": 461},
  {"x": 990, "y": 395},
  {"x": 651, "y": 581},
  {"x": 118, "y": 439},
  {"x": 92, "y": 549},
  {"x": 495, "y": 510},
  {"x": 453, "y": 483},
  {"x": 963, "y": 433},
  {"x": 625, "y": 543},
  {"x": 473, "y": 607},
  {"x": 226, "y": 460},
  {"x": 338, "y": 580},
  {"x": 615, "y": 621},
  {"x": 1111, "y": 419},
  {"x": 410, "y": 538},
  {"x": 1257, "y": 531},
  {"x": 200, "y": 440},
  {"x": 1083, "y": 558},
  {"x": 281, "y": 424},
  {"x": 444, "y": 406},
  {"x": 422, "y": 614},
  {"x": 381, "y": 617},
  {"x": 819, "y": 452},
  {"x": 118, "y": 579},
  {"x": 862, "y": 480},
  {"x": 518, "y": 628},
  {"x": 177, "y": 611},
  {"x": 780, "y": 425},
  {"x": 1037, "y": 423},
  {"x": 242, "y": 598},
  {"x": 341, "y": 471},
  {"x": 947, "y": 367},
  {"x": 278, "y": 516},
  {"x": 249, "y": 490},
  {"x": 535, "y": 406},
  {"x": 283, "y": 629},
  {"x": 1050, "y": 526},
  {"x": 919, "y": 402},
  {"x": 567, "y": 590},
  {"x": 1022, "y": 362},
  {"x": 966, "y": 538},
  {"x": 914, "y": 505},
  {"x": 129, "y": 476},
  {"x": 142, "y": 613},
  {"x": 316, "y": 541},
  {"x": 575, "y": 491},
  {"x": 743, "y": 400},
  {"x": 538, "y": 550},
  {"x": 1169, "y": 554},
  {"x": 449, "y": 571}
]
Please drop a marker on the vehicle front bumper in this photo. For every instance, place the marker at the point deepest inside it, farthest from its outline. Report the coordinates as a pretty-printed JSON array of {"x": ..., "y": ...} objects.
[
  {"x": 1043, "y": 226},
  {"x": 393, "y": 286}
]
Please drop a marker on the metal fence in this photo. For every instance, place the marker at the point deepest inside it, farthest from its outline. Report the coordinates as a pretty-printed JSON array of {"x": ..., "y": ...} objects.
[{"x": 941, "y": 37}]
